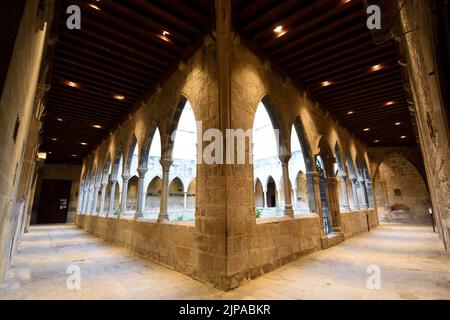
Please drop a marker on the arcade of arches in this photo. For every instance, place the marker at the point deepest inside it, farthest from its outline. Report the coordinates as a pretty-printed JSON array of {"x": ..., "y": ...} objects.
[{"x": 308, "y": 182}]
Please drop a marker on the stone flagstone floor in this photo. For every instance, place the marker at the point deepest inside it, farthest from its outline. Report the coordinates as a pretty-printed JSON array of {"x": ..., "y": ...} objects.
[{"x": 411, "y": 259}]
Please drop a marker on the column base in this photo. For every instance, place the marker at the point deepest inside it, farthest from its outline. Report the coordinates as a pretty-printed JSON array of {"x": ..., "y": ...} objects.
[
  {"x": 138, "y": 215},
  {"x": 289, "y": 212},
  {"x": 163, "y": 217}
]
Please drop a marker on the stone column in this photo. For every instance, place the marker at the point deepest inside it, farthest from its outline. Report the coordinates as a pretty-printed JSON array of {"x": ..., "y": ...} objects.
[
  {"x": 111, "y": 197},
  {"x": 141, "y": 193},
  {"x": 123, "y": 204},
  {"x": 90, "y": 200},
  {"x": 85, "y": 200},
  {"x": 311, "y": 191},
  {"x": 355, "y": 193},
  {"x": 94, "y": 203},
  {"x": 102, "y": 198},
  {"x": 163, "y": 208},
  {"x": 80, "y": 200},
  {"x": 345, "y": 191},
  {"x": 185, "y": 200},
  {"x": 288, "y": 211},
  {"x": 365, "y": 195}
]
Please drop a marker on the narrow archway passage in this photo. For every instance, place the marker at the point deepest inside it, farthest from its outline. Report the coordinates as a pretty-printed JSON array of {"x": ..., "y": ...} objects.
[{"x": 410, "y": 258}]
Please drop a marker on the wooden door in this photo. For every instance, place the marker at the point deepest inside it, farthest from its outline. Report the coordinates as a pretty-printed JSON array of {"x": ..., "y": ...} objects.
[{"x": 54, "y": 201}]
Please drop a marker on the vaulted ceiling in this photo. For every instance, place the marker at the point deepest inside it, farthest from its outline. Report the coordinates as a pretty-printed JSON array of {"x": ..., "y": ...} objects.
[{"x": 124, "y": 48}]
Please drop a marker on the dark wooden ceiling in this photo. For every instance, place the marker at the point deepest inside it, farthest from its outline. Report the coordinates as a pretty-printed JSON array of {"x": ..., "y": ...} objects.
[
  {"x": 120, "y": 50},
  {"x": 328, "y": 40}
]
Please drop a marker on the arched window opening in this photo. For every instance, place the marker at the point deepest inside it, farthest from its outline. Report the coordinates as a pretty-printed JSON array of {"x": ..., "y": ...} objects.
[
  {"x": 369, "y": 188},
  {"x": 132, "y": 196},
  {"x": 341, "y": 176},
  {"x": 152, "y": 200},
  {"x": 259, "y": 195},
  {"x": 118, "y": 187},
  {"x": 297, "y": 169},
  {"x": 266, "y": 161},
  {"x": 152, "y": 181},
  {"x": 361, "y": 187},
  {"x": 184, "y": 165},
  {"x": 353, "y": 181},
  {"x": 107, "y": 197},
  {"x": 190, "y": 196},
  {"x": 131, "y": 172}
]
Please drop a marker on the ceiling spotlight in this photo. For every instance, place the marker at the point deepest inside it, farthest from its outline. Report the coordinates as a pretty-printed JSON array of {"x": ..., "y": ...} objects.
[
  {"x": 60, "y": 119},
  {"x": 350, "y": 112},
  {"x": 403, "y": 137},
  {"x": 376, "y": 141},
  {"x": 279, "y": 31},
  {"x": 366, "y": 129},
  {"x": 326, "y": 83},
  {"x": 118, "y": 97},
  {"x": 398, "y": 123},
  {"x": 164, "y": 36},
  {"x": 74, "y": 155},
  {"x": 389, "y": 103},
  {"x": 166, "y": 33},
  {"x": 94, "y": 6},
  {"x": 42, "y": 155},
  {"x": 71, "y": 84},
  {"x": 50, "y": 152},
  {"x": 54, "y": 139},
  {"x": 83, "y": 143},
  {"x": 376, "y": 67},
  {"x": 97, "y": 126}
]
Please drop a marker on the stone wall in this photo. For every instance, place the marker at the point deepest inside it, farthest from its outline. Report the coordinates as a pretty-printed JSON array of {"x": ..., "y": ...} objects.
[
  {"x": 421, "y": 51},
  {"x": 59, "y": 172},
  {"x": 167, "y": 243},
  {"x": 20, "y": 115},
  {"x": 399, "y": 184},
  {"x": 355, "y": 222}
]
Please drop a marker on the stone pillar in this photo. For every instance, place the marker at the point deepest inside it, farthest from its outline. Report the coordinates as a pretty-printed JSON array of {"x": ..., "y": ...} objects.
[
  {"x": 312, "y": 189},
  {"x": 123, "y": 204},
  {"x": 85, "y": 200},
  {"x": 163, "y": 208},
  {"x": 90, "y": 200},
  {"x": 288, "y": 211},
  {"x": 345, "y": 191},
  {"x": 365, "y": 195},
  {"x": 111, "y": 197},
  {"x": 94, "y": 203},
  {"x": 355, "y": 194},
  {"x": 80, "y": 199},
  {"x": 141, "y": 193},
  {"x": 102, "y": 199},
  {"x": 333, "y": 203},
  {"x": 185, "y": 200}
]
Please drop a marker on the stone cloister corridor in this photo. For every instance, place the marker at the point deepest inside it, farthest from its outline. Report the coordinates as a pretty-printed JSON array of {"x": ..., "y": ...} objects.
[
  {"x": 225, "y": 149},
  {"x": 412, "y": 262}
]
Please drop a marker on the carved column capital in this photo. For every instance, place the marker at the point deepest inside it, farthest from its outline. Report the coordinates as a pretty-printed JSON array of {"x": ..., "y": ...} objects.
[{"x": 166, "y": 164}]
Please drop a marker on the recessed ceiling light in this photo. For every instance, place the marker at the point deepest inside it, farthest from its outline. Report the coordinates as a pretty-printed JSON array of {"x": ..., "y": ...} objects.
[
  {"x": 54, "y": 139},
  {"x": 118, "y": 97},
  {"x": 403, "y": 137},
  {"x": 398, "y": 123},
  {"x": 326, "y": 83},
  {"x": 166, "y": 33},
  {"x": 350, "y": 112},
  {"x": 376, "y": 67},
  {"x": 389, "y": 103},
  {"x": 279, "y": 31},
  {"x": 50, "y": 152},
  {"x": 83, "y": 143},
  {"x": 71, "y": 84},
  {"x": 376, "y": 141},
  {"x": 97, "y": 126},
  {"x": 366, "y": 129},
  {"x": 94, "y": 6},
  {"x": 74, "y": 155}
]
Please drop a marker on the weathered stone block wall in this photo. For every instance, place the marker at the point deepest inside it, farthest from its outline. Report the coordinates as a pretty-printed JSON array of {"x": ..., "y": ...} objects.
[
  {"x": 17, "y": 107},
  {"x": 167, "y": 243},
  {"x": 354, "y": 223},
  {"x": 280, "y": 240}
]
